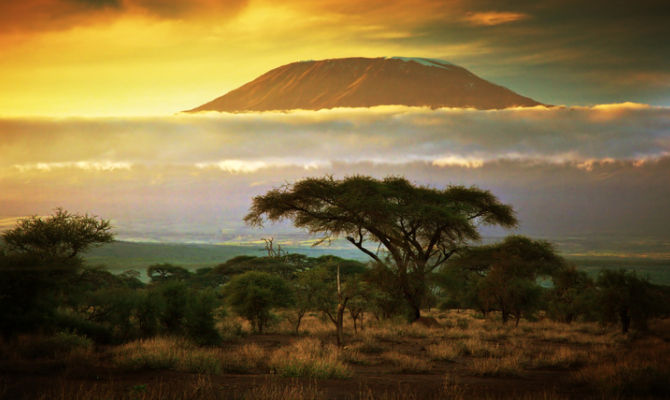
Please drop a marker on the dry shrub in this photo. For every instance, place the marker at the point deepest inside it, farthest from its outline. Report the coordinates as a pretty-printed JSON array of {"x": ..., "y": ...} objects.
[
  {"x": 311, "y": 358},
  {"x": 509, "y": 366},
  {"x": 406, "y": 363}
]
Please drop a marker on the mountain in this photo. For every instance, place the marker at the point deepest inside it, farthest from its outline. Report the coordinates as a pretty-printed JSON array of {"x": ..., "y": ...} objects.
[{"x": 366, "y": 82}]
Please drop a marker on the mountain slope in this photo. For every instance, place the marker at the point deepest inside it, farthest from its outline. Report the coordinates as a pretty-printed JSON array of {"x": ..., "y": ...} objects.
[{"x": 366, "y": 82}]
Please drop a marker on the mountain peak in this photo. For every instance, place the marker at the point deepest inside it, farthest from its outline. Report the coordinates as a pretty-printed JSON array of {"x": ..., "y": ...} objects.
[{"x": 366, "y": 82}]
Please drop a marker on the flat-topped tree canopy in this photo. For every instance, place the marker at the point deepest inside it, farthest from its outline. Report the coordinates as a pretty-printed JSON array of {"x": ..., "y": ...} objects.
[{"x": 418, "y": 227}]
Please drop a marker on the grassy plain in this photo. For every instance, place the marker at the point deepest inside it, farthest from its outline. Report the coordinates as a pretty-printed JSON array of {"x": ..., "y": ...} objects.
[{"x": 466, "y": 357}]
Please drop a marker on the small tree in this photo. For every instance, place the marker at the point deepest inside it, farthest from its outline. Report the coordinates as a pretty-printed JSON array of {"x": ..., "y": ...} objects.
[
  {"x": 200, "y": 324},
  {"x": 505, "y": 273},
  {"x": 626, "y": 298},
  {"x": 254, "y": 294},
  {"x": 175, "y": 295},
  {"x": 333, "y": 286},
  {"x": 305, "y": 292},
  {"x": 572, "y": 296}
]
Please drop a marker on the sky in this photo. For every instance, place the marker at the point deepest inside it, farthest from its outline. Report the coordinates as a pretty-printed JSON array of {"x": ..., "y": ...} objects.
[
  {"x": 90, "y": 94},
  {"x": 153, "y": 57}
]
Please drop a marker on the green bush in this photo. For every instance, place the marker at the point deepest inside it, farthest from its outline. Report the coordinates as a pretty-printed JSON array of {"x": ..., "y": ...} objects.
[
  {"x": 199, "y": 319},
  {"x": 253, "y": 295}
]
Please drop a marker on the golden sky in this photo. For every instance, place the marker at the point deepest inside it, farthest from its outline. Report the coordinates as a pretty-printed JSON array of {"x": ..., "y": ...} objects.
[{"x": 148, "y": 57}]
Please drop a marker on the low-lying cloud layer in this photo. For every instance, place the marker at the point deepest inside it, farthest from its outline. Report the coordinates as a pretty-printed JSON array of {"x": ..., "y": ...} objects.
[
  {"x": 382, "y": 134},
  {"x": 565, "y": 169}
]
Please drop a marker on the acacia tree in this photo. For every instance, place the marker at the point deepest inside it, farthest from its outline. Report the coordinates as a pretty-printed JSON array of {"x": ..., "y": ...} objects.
[
  {"x": 59, "y": 236},
  {"x": 38, "y": 264},
  {"x": 418, "y": 228}
]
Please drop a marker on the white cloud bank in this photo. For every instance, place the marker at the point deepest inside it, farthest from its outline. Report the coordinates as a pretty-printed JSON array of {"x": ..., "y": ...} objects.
[
  {"x": 565, "y": 169},
  {"x": 244, "y": 142}
]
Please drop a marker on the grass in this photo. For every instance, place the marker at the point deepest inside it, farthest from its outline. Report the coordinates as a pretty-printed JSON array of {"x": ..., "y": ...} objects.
[
  {"x": 406, "y": 363},
  {"x": 564, "y": 357},
  {"x": 175, "y": 354},
  {"x": 589, "y": 360},
  {"x": 445, "y": 351},
  {"x": 644, "y": 370},
  {"x": 273, "y": 389},
  {"x": 369, "y": 345},
  {"x": 509, "y": 366},
  {"x": 309, "y": 358}
]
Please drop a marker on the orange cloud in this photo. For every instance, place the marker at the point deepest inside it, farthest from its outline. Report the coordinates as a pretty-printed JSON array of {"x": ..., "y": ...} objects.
[
  {"x": 491, "y": 18},
  {"x": 52, "y": 15}
]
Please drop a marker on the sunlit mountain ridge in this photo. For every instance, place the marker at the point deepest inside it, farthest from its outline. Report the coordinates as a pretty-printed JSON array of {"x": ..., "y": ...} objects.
[{"x": 367, "y": 82}]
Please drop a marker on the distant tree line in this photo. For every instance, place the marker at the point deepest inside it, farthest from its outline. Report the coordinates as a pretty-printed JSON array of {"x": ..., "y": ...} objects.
[{"x": 425, "y": 256}]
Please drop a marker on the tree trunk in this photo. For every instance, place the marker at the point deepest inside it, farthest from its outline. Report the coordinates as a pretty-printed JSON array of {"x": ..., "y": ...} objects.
[
  {"x": 505, "y": 316},
  {"x": 416, "y": 312},
  {"x": 297, "y": 324},
  {"x": 625, "y": 321},
  {"x": 339, "y": 324},
  {"x": 342, "y": 303}
]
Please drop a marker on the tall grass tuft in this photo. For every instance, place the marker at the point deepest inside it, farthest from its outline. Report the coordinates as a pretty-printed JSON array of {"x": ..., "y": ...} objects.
[{"x": 309, "y": 358}]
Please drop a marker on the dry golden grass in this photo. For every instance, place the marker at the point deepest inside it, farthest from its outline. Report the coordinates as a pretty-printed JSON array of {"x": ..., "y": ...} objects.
[
  {"x": 281, "y": 390},
  {"x": 508, "y": 366},
  {"x": 244, "y": 359},
  {"x": 354, "y": 356},
  {"x": 604, "y": 363},
  {"x": 476, "y": 347},
  {"x": 445, "y": 351},
  {"x": 406, "y": 363},
  {"x": 309, "y": 357},
  {"x": 198, "y": 388},
  {"x": 368, "y": 343},
  {"x": 179, "y": 355},
  {"x": 563, "y": 357},
  {"x": 644, "y": 370}
]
